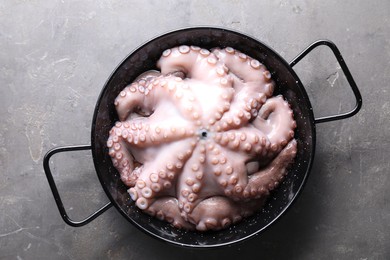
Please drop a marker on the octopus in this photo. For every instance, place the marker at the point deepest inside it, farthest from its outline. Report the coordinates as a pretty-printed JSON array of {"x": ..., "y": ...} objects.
[{"x": 202, "y": 141}]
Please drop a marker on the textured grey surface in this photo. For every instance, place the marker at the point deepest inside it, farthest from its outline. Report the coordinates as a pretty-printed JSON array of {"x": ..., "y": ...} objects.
[{"x": 55, "y": 57}]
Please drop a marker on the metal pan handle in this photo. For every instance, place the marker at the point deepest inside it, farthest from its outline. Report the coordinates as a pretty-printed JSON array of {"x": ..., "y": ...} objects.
[
  {"x": 347, "y": 74},
  {"x": 54, "y": 189}
]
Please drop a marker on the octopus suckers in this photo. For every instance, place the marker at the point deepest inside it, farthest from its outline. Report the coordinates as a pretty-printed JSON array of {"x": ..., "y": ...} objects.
[
  {"x": 196, "y": 187},
  {"x": 199, "y": 175},
  {"x": 192, "y": 197},
  {"x": 184, "y": 49},
  {"x": 267, "y": 74},
  {"x": 255, "y": 64},
  {"x": 195, "y": 167},
  {"x": 223, "y": 81},
  {"x": 230, "y": 50},
  {"x": 195, "y": 48},
  {"x": 140, "y": 184},
  {"x": 214, "y": 160},
  {"x": 156, "y": 187},
  {"x": 146, "y": 192},
  {"x": 229, "y": 170},
  {"x": 166, "y": 52},
  {"x": 202, "y": 159},
  {"x": 167, "y": 185},
  {"x": 223, "y": 160},
  {"x": 195, "y": 115},
  {"x": 169, "y": 166},
  {"x": 190, "y": 182},
  {"x": 212, "y": 60},
  {"x": 204, "y": 52},
  {"x": 142, "y": 203},
  {"x": 133, "y": 194},
  {"x": 242, "y": 56},
  {"x": 220, "y": 72},
  {"x": 154, "y": 177}
]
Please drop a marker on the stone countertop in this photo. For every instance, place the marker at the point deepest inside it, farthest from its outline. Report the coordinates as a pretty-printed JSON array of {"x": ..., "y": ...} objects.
[{"x": 55, "y": 58}]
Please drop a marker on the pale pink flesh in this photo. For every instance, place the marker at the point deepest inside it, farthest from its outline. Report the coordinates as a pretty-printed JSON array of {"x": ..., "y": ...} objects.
[{"x": 202, "y": 150}]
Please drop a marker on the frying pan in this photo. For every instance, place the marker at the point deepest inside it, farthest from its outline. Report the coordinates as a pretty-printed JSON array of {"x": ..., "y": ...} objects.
[{"x": 144, "y": 58}]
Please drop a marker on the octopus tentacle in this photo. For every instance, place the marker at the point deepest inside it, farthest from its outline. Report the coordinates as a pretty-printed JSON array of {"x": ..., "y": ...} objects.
[
  {"x": 133, "y": 99},
  {"x": 266, "y": 179},
  {"x": 219, "y": 212},
  {"x": 157, "y": 178},
  {"x": 122, "y": 160},
  {"x": 191, "y": 182},
  {"x": 247, "y": 140},
  {"x": 167, "y": 209},
  {"x": 276, "y": 120},
  {"x": 135, "y": 139},
  {"x": 246, "y": 69},
  {"x": 150, "y": 132},
  {"x": 243, "y": 109},
  {"x": 252, "y": 84},
  {"x": 195, "y": 63},
  {"x": 139, "y": 99},
  {"x": 227, "y": 168},
  {"x": 177, "y": 92}
]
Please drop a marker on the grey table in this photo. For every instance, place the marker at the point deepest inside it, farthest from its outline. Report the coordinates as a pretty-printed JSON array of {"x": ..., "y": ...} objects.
[{"x": 55, "y": 57}]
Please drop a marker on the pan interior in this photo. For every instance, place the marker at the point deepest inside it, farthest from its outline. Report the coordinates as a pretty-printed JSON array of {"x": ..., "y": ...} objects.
[{"x": 144, "y": 58}]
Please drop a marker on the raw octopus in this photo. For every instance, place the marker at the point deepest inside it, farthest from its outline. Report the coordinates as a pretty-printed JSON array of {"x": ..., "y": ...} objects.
[{"x": 202, "y": 142}]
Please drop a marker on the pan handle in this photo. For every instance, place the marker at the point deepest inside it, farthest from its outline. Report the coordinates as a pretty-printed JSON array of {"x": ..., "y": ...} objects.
[
  {"x": 347, "y": 74},
  {"x": 54, "y": 189}
]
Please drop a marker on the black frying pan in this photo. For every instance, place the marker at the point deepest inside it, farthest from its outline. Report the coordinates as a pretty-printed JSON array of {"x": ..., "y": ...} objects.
[{"x": 144, "y": 58}]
